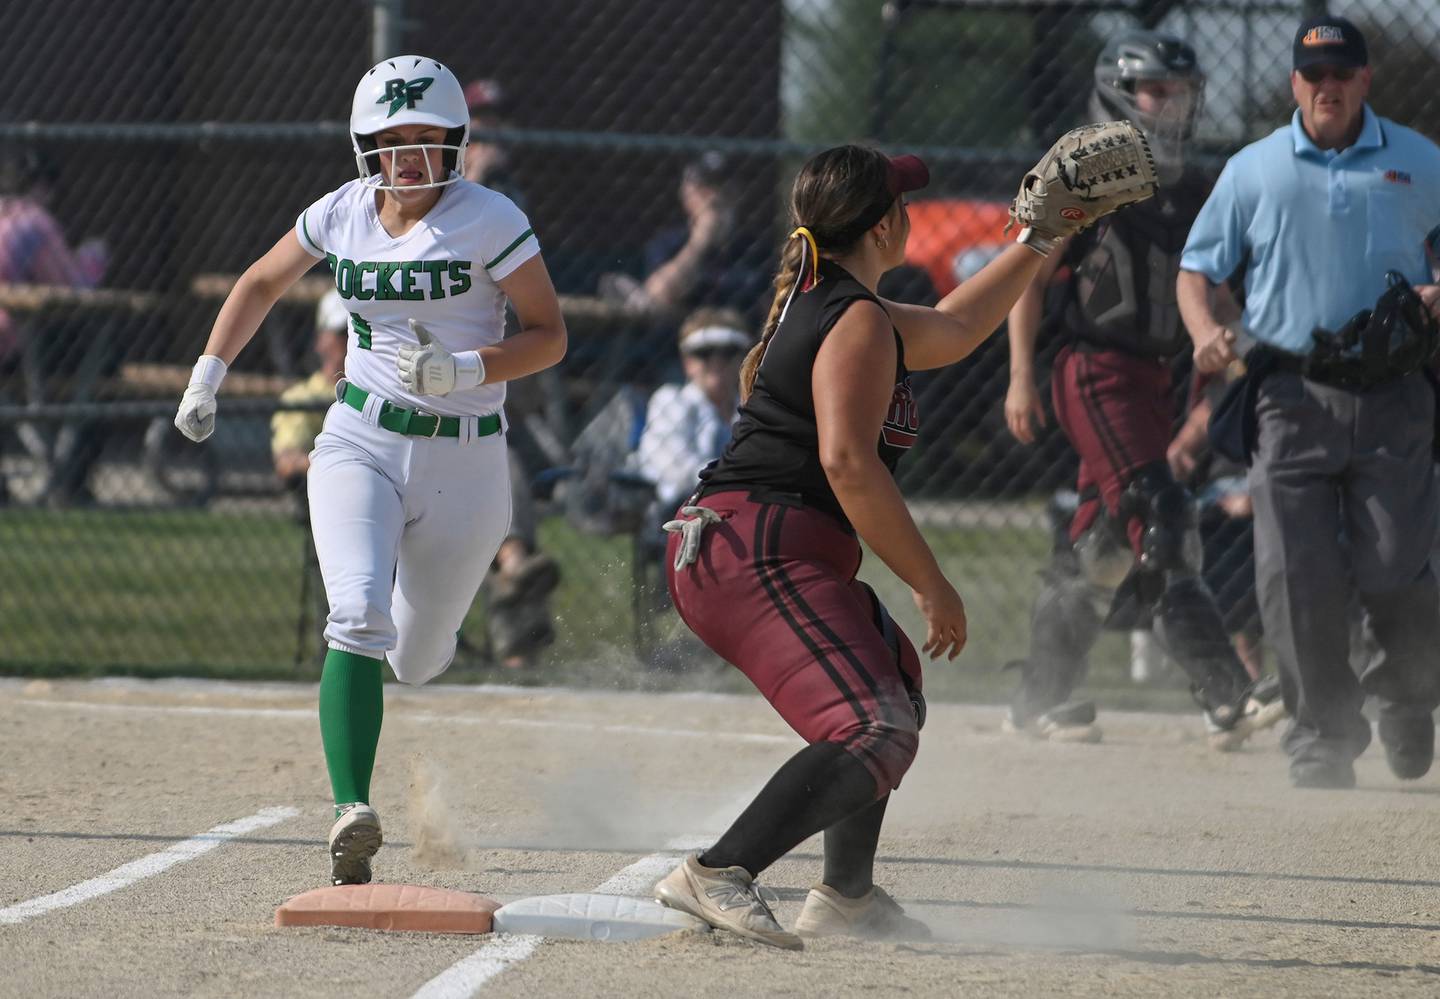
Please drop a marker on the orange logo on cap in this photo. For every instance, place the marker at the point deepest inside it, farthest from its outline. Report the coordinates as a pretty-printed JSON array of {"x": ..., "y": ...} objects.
[{"x": 1326, "y": 34}]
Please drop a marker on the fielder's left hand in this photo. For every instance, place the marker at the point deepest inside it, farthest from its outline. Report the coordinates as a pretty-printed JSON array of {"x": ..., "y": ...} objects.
[{"x": 430, "y": 369}]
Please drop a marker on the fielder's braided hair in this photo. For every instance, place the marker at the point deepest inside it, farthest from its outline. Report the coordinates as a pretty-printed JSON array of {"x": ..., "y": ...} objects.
[{"x": 838, "y": 195}]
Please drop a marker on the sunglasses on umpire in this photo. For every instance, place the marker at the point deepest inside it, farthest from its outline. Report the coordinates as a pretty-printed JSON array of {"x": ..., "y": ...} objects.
[{"x": 1314, "y": 74}]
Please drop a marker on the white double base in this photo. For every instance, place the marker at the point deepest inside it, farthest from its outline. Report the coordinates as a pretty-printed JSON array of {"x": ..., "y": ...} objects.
[{"x": 585, "y": 916}]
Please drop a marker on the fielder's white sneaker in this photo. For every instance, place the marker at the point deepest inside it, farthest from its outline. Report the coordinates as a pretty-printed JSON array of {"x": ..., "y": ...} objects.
[
  {"x": 354, "y": 839},
  {"x": 873, "y": 916},
  {"x": 727, "y": 899}
]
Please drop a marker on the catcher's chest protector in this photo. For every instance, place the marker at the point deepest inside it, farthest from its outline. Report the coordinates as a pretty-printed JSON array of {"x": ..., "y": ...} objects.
[{"x": 1125, "y": 272}]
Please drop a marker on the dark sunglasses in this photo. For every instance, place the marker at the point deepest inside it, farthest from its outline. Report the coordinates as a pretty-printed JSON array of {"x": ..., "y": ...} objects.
[
  {"x": 1314, "y": 74},
  {"x": 707, "y": 354}
]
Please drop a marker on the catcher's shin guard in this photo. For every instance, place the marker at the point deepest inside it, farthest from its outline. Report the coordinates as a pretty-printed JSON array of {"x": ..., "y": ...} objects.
[
  {"x": 1189, "y": 627},
  {"x": 1063, "y": 627}
]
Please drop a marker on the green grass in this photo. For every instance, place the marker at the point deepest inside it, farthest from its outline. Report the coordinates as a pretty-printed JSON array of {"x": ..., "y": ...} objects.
[
  {"x": 196, "y": 593},
  {"x": 149, "y": 593}
]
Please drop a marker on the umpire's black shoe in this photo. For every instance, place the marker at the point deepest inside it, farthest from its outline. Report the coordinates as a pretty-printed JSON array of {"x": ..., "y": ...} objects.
[
  {"x": 1331, "y": 774},
  {"x": 1409, "y": 742}
]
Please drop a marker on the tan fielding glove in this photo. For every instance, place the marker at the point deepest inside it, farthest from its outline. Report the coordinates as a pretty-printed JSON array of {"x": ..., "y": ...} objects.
[{"x": 1090, "y": 172}]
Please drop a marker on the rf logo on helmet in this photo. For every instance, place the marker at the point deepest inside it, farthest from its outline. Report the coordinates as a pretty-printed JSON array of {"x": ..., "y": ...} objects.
[{"x": 404, "y": 93}]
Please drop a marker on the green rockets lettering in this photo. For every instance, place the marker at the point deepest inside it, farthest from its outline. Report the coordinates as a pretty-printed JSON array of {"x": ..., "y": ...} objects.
[{"x": 399, "y": 280}]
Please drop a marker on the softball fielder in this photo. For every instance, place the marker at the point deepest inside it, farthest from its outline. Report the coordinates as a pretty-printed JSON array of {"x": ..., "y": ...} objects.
[
  {"x": 772, "y": 536},
  {"x": 408, "y": 482}
]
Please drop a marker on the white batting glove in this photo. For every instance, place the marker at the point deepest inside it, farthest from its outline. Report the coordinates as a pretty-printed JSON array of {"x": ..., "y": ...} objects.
[
  {"x": 430, "y": 369},
  {"x": 196, "y": 416}
]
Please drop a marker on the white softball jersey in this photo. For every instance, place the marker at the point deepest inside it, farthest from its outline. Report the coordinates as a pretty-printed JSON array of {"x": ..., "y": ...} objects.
[{"x": 443, "y": 273}]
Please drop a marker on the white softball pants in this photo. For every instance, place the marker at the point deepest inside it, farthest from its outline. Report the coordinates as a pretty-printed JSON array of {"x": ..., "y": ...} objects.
[{"x": 405, "y": 529}]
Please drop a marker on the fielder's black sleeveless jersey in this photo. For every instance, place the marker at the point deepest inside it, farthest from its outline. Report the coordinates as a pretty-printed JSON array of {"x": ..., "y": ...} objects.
[
  {"x": 1121, "y": 294},
  {"x": 776, "y": 443}
]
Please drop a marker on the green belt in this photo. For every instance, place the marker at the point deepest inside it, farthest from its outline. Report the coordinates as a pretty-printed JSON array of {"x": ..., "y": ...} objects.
[{"x": 415, "y": 422}]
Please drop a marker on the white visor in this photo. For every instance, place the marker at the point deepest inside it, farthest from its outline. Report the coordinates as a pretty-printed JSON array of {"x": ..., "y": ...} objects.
[{"x": 715, "y": 336}]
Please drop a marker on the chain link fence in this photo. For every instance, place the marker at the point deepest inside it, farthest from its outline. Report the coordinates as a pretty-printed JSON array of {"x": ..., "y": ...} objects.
[{"x": 164, "y": 145}]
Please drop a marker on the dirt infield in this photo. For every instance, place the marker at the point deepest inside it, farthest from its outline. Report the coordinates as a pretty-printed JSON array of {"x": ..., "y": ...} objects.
[{"x": 1145, "y": 866}]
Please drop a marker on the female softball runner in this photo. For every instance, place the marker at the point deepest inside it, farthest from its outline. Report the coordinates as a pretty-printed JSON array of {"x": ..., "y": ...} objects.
[
  {"x": 409, "y": 482},
  {"x": 770, "y": 539}
]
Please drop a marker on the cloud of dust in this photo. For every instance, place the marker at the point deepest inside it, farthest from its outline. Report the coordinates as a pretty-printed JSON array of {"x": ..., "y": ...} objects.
[
  {"x": 607, "y": 805},
  {"x": 597, "y": 806},
  {"x": 1055, "y": 918},
  {"x": 439, "y": 843}
]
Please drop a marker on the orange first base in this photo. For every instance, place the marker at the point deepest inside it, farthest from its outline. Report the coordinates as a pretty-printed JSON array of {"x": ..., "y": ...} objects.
[{"x": 390, "y": 907}]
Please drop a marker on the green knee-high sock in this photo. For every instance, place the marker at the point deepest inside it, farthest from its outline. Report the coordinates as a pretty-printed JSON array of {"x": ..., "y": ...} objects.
[{"x": 351, "y": 706}]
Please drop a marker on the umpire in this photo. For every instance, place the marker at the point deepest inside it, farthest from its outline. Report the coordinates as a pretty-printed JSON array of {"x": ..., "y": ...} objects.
[{"x": 1345, "y": 502}]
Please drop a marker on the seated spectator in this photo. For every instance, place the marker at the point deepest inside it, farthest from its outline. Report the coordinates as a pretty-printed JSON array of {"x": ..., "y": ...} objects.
[
  {"x": 293, "y": 433},
  {"x": 708, "y": 261},
  {"x": 687, "y": 426},
  {"x": 518, "y": 587},
  {"x": 34, "y": 250},
  {"x": 486, "y": 162}
]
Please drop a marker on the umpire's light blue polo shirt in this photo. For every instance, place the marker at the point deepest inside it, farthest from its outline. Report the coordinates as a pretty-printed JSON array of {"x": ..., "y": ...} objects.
[{"x": 1317, "y": 228}]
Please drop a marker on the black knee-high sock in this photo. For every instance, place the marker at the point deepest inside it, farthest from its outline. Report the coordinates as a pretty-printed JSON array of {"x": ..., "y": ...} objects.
[
  {"x": 817, "y": 787},
  {"x": 850, "y": 850}
]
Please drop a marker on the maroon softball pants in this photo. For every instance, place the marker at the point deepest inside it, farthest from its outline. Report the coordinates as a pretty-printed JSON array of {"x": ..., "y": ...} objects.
[
  {"x": 1116, "y": 409},
  {"x": 774, "y": 593}
]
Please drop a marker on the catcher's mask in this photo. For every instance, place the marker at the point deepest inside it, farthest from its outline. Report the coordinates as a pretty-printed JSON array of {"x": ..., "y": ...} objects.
[
  {"x": 1149, "y": 56},
  {"x": 408, "y": 90}
]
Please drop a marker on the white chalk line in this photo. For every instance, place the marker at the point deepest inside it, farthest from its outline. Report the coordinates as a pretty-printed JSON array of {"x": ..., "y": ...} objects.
[
  {"x": 309, "y": 714},
  {"x": 147, "y": 866},
  {"x": 464, "y": 977},
  {"x": 468, "y": 975}
]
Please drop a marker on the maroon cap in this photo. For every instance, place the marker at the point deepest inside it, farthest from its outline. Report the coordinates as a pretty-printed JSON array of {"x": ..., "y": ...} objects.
[
  {"x": 484, "y": 95},
  {"x": 906, "y": 173}
]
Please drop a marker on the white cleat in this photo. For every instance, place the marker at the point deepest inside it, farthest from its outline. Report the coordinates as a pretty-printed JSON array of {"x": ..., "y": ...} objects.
[
  {"x": 354, "y": 839},
  {"x": 1256, "y": 716},
  {"x": 1073, "y": 721},
  {"x": 872, "y": 916},
  {"x": 1226, "y": 738},
  {"x": 727, "y": 899}
]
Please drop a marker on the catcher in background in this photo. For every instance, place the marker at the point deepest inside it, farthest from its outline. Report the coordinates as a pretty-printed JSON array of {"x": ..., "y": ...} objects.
[
  {"x": 1134, "y": 541},
  {"x": 772, "y": 536}
]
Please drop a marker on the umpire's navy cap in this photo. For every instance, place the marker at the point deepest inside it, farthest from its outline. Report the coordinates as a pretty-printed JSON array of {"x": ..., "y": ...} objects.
[{"x": 1329, "y": 40}]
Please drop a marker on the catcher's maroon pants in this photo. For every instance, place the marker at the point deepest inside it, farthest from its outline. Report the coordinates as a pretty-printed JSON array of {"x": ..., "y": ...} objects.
[
  {"x": 1116, "y": 409},
  {"x": 774, "y": 593}
]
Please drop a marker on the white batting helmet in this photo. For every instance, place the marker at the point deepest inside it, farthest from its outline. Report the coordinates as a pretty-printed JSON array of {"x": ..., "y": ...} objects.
[{"x": 408, "y": 90}]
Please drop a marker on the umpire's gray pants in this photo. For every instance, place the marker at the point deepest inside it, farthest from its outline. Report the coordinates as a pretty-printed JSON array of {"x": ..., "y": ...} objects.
[{"x": 1345, "y": 504}]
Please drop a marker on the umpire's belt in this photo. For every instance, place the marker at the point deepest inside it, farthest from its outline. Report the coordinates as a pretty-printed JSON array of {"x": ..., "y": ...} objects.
[{"x": 415, "y": 422}]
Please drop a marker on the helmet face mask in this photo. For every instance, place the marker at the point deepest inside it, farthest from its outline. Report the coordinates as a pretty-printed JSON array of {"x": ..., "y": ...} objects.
[
  {"x": 408, "y": 90},
  {"x": 1126, "y": 65}
]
